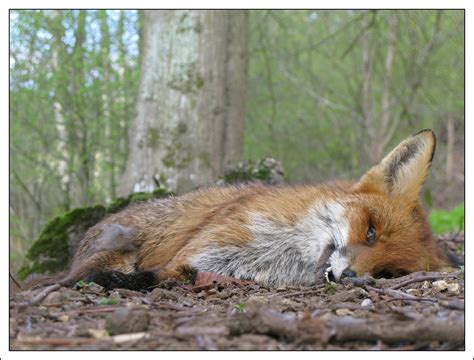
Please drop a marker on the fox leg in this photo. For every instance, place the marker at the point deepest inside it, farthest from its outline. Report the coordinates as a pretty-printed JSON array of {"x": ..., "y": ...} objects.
[
  {"x": 112, "y": 270},
  {"x": 182, "y": 268},
  {"x": 108, "y": 257}
]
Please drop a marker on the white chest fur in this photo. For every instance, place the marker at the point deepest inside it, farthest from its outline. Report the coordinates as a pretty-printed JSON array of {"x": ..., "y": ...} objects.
[{"x": 281, "y": 253}]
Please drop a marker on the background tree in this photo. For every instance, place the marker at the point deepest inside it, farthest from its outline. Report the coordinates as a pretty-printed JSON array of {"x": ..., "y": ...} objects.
[
  {"x": 191, "y": 104},
  {"x": 331, "y": 91},
  {"x": 73, "y": 80}
]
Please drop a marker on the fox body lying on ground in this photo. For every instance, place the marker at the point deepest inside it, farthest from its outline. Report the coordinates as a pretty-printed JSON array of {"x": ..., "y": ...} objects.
[{"x": 273, "y": 235}]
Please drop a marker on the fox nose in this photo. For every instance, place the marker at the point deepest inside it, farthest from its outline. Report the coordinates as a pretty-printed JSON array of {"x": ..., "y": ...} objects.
[{"x": 348, "y": 273}]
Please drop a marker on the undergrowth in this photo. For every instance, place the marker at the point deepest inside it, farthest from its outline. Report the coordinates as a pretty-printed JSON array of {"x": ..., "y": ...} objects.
[{"x": 444, "y": 221}]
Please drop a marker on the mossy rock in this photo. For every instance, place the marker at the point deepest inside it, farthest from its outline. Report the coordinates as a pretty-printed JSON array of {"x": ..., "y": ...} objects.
[
  {"x": 59, "y": 240},
  {"x": 268, "y": 171}
]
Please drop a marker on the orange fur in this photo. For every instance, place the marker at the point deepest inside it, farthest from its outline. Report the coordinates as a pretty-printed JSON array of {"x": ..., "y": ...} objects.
[{"x": 164, "y": 235}]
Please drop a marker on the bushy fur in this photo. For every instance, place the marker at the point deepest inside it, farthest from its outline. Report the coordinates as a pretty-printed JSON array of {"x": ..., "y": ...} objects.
[{"x": 275, "y": 234}]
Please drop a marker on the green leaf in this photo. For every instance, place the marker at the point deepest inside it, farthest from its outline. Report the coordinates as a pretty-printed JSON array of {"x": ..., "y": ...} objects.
[{"x": 108, "y": 301}]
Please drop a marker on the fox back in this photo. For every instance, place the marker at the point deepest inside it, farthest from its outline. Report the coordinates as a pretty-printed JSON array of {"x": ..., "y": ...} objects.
[{"x": 273, "y": 235}]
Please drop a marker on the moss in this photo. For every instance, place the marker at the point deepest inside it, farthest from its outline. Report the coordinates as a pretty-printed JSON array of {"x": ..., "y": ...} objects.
[
  {"x": 185, "y": 25},
  {"x": 182, "y": 127},
  {"x": 168, "y": 159},
  {"x": 205, "y": 158},
  {"x": 52, "y": 251},
  {"x": 187, "y": 80},
  {"x": 54, "y": 248},
  {"x": 267, "y": 170},
  {"x": 199, "y": 82},
  {"x": 162, "y": 179},
  {"x": 198, "y": 27},
  {"x": 152, "y": 138},
  {"x": 161, "y": 193},
  {"x": 120, "y": 203},
  {"x": 177, "y": 156}
]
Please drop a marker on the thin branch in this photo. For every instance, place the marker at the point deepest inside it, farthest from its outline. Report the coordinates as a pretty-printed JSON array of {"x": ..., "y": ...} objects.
[
  {"x": 421, "y": 278},
  {"x": 399, "y": 295},
  {"x": 39, "y": 297},
  {"x": 14, "y": 281},
  {"x": 365, "y": 28}
]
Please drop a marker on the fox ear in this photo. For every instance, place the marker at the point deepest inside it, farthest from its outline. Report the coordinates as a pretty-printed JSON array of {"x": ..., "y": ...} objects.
[{"x": 403, "y": 171}]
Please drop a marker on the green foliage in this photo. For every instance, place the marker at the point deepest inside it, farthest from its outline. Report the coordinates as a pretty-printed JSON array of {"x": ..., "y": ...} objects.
[
  {"x": 305, "y": 104},
  {"x": 240, "y": 307},
  {"x": 73, "y": 82},
  {"x": 445, "y": 221},
  {"x": 108, "y": 301},
  {"x": 80, "y": 284}
]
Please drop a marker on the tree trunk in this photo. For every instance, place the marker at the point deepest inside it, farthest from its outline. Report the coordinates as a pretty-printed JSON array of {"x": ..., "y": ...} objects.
[
  {"x": 110, "y": 149},
  {"x": 388, "y": 123},
  {"x": 380, "y": 129},
  {"x": 366, "y": 96},
  {"x": 191, "y": 103},
  {"x": 450, "y": 148},
  {"x": 85, "y": 153},
  {"x": 65, "y": 159}
]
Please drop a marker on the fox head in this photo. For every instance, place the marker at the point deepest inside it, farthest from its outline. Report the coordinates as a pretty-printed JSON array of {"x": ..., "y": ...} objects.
[{"x": 389, "y": 234}]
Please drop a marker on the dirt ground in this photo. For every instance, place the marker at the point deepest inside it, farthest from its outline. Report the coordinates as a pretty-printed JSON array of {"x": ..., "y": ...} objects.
[{"x": 420, "y": 311}]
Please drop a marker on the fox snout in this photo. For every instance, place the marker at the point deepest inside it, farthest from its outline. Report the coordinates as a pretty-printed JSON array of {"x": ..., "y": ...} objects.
[{"x": 389, "y": 232}]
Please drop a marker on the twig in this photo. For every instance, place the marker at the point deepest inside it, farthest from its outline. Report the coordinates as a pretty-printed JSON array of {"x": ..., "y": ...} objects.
[
  {"x": 452, "y": 304},
  {"x": 408, "y": 314},
  {"x": 399, "y": 295},
  {"x": 421, "y": 278},
  {"x": 425, "y": 329},
  {"x": 350, "y": 306},
  {"x": 261, "y": 320},
  {"x": 55, "y": 341},
  {"x": 87, "y": 311},
  {"x": 13, "y": 279},
  {"x": 298, "y": 293},
  {"x": 39, "y": 297}
]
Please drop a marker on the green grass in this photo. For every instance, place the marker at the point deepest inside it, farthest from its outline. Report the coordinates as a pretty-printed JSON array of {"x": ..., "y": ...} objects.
[
  {"x": 445, "y": 221},
  {"x": 240, "y": 307},
  {"x": 330, "y": 287}
]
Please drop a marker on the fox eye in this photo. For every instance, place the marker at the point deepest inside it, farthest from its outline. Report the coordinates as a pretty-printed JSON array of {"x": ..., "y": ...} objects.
[{"x": 371, "y": 235}]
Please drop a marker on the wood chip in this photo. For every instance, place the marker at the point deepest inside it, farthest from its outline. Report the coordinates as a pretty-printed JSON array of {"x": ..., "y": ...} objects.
[{"x": 128, "y": 337}]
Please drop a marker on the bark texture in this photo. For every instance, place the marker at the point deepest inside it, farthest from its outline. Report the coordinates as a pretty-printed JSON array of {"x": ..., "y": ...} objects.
[{"x": 191, "y": 104}]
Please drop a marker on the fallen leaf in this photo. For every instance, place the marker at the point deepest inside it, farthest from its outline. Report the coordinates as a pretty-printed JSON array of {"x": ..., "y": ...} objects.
[{"x": 206, "y": 280}]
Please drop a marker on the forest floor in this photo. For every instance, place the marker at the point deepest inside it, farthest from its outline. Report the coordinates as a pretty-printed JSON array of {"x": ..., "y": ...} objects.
[{"x": 420, "y": 311}]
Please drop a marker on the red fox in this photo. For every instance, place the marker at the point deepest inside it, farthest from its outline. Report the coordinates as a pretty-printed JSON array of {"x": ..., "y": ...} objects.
[{"x": 273, "y": 235}]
